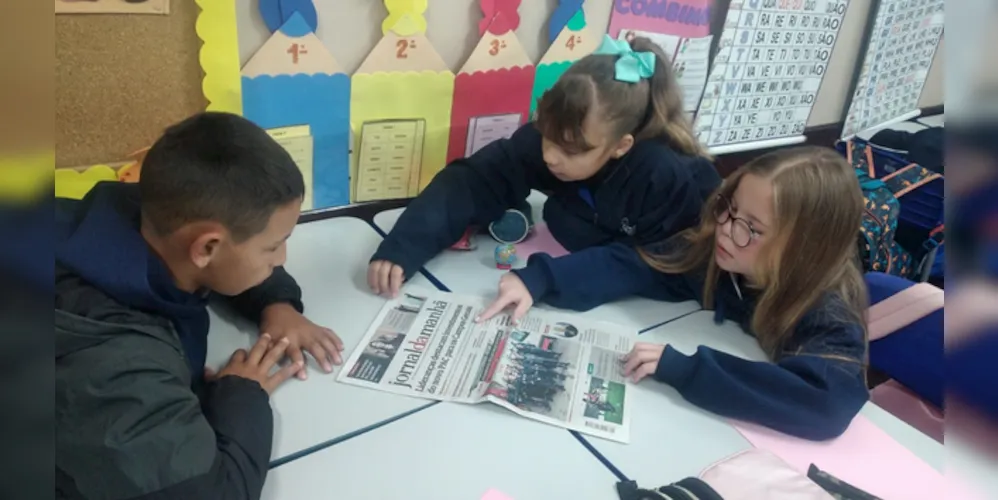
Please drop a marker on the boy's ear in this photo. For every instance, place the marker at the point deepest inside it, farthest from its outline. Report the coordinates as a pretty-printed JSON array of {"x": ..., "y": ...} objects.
[
  {"x": 623, "y": 146},
  {"x": 205, "y": 247}
]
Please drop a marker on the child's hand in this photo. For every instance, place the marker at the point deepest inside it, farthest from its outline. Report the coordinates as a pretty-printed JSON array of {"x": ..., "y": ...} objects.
[
  {"x": 385, "y": 278},
  {"x": 258, "y": 363},
  {"x": 281, "y": 321},
  {"x": 512, "y": 292},
  {"x": 642, "y": 360}
]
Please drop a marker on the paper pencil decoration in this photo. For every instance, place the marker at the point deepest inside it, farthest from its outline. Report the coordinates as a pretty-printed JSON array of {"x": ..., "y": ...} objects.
[
  {"x": 561, "y": 16},
  {"x": 76, "y": 183},
  {"x": 294, "y": 81},
  {"x": 492, "y": 91},
  {"x": 400, "y": 104},
  {"x": 219, "y": 56},
  {"x": 277, "y": 12},
  {"x": 573, "y": 43}
]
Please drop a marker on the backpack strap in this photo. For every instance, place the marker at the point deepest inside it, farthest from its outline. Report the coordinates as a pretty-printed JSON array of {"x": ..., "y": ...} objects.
[
  {"x": 867, "y": 152},
  {"x": 902, "y": 309},
  {"x": 925, "y": 179},
  {"x": 935, "y": 240},
  {"x": 869, "y": 161}
]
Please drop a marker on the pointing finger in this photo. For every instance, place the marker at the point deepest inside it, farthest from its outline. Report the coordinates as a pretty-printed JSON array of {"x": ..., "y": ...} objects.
[{"x": 498, "y": 305}]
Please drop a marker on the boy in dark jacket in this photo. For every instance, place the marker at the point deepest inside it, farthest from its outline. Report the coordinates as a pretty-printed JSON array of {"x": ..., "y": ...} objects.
[{"x": 137, "y": 416}]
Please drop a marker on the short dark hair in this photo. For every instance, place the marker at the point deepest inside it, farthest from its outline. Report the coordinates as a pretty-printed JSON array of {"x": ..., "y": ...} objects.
[{"x": 219, "y": 167}]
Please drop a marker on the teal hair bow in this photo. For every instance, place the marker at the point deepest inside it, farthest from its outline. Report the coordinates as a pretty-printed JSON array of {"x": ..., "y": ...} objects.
[{"x": 631, "y": 66}]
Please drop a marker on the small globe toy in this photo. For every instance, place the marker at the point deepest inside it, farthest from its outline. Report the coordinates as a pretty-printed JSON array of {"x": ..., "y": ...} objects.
[{"x": 505, "y": 256}]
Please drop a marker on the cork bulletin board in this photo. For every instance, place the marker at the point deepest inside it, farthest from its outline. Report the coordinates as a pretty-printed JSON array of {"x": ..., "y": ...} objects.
[{"x": 121, "y": 79}]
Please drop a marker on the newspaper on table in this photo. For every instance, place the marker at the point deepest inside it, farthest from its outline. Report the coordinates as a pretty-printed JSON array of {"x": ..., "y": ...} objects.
[{"x": 552, "y": 367}]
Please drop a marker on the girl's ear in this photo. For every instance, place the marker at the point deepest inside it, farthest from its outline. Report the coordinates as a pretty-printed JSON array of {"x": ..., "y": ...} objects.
[{"x": 623, "y": 146}]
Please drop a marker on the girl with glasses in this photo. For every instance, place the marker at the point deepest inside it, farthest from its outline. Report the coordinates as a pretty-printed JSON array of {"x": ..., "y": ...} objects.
[{"x": 775, "y": 251}]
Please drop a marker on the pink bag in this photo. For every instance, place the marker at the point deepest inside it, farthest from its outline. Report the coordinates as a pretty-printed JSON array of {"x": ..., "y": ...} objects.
[
  {"x": 750, "y": 475},
  {"x": 902, "y": 309}
]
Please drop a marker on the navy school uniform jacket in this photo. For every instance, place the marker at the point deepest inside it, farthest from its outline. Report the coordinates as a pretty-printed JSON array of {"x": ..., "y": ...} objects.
[
  {"x": 801, "y": 393},
  {"x": 134, "y": 417},
  {"x": 646, "y": 196}
]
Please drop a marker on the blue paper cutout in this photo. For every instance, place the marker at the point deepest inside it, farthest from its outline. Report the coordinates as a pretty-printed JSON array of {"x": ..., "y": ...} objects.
[
  {"x": 276, "y": 13},
  {"x": 296, "y": 27},
  {"x": 323, "y": 102},
  {"x": 560, "y": 17}
]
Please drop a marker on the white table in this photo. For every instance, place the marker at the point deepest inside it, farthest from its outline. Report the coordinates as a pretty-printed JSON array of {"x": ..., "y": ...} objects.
[
  {"x": 474, "y": 273},
  {"x": 449, "y": 452},
  {"x": 329, "y": 259},
  {"x": 672, "y": 439}
]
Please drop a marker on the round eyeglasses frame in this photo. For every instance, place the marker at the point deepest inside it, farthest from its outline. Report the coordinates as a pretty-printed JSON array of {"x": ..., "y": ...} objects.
[{"x": 742, "y": 232}]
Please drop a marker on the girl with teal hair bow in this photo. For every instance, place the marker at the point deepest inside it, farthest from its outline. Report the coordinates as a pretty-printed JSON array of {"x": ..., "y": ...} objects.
[{"x": 610, "y": 145}]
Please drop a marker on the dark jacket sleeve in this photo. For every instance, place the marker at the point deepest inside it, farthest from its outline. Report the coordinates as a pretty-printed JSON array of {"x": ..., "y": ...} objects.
[
  {"x": 138, "y": 431},
  {"x": 279, "y": 287},
  {"x": 674, "y": 195},
  {"x": 597, "y": 275},
  {"x": 812, "y": 393},
  {"x": 471, "y": 191}
]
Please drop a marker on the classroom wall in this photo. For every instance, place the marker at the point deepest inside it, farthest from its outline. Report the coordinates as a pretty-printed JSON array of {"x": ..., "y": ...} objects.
[
  {"x": 354, "y": 26},
  {"x": 121, "y": 79}
]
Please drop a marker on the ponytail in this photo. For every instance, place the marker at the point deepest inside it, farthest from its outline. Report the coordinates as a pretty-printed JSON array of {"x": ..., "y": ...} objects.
[
  {"x": 648, "y": 105},
  {"x": 665, "y": 119}
]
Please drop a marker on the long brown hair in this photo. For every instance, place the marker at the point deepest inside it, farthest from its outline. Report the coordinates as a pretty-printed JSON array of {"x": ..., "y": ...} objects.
[
  {"x": 818, "y": 208},
  {"x": 649, "y": 109}
]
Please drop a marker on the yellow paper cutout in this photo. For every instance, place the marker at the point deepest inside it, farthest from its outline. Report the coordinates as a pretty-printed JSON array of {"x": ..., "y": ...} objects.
[
  {"x": 219, "y": 56},
  {"x": 71, "y": 183},
  {"x": 297, "y": 141},
  {"x": 405, "y": 17},
  {"x": 425, "y": 96},
  {"x": 389, "y": 159},
  {"x": 26, "y": 177}
]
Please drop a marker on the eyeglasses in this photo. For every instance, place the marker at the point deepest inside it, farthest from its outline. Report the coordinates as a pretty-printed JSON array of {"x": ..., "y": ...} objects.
[{"x": 742, "y": 232}]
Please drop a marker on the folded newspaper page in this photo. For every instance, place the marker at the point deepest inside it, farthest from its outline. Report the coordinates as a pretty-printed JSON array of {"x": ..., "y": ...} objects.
[{"x": 552, "y": 367}]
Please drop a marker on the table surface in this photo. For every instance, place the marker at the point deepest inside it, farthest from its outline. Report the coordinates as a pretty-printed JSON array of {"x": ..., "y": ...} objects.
[
  {"x": 474, "y": 273},
  {"x": 449, "y": 452},
  {"x": 665, "y": 423},
  {"x": 329, "y": 259},
  {"x": 670, "y": 438}
]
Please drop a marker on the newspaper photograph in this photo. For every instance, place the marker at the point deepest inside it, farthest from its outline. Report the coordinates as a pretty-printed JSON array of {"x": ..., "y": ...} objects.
[{"x": 551, "y": 367}]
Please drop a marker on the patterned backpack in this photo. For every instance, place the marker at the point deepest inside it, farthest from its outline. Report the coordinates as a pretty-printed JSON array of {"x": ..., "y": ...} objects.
[{"x": 885, "y": 179}]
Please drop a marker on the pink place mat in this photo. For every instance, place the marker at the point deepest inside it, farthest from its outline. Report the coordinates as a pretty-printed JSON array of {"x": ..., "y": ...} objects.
[
  {"x": 495, "y": 495},
  {"x": 864, "y": 456},
  {"x": 539, "y": 241}
]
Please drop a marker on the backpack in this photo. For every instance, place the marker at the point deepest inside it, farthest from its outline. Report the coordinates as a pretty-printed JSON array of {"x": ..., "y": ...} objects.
[
  {"x": 749, "y": 475},
  {"x": 898, "y": 238}
]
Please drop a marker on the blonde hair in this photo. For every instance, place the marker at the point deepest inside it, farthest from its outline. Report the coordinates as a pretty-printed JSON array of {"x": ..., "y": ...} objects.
[
  {"x": 818, "y": 209},
  {"x": 652, "y": 108}
]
